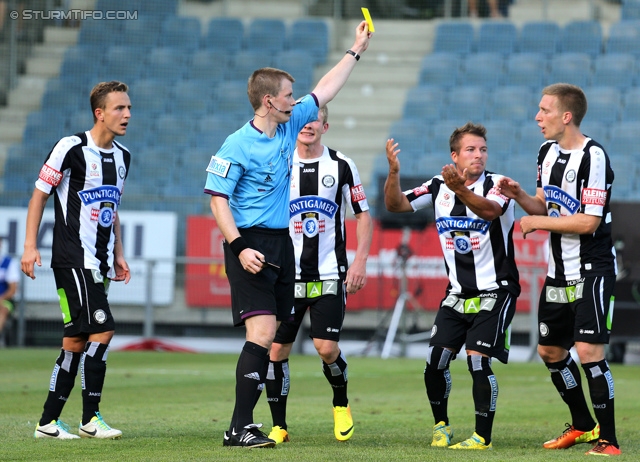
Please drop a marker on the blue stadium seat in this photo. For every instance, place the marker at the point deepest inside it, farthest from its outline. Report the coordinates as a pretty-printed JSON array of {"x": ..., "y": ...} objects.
[
  {"x": 454, "y": 37},
  {"x": 266, "y": 35},
  {"x": 158, "y": 9},
  {"x": 79, "y": 121},
  {"x": 211, "y": 140},
  {"x": 483, "y": 68},
  {"x": 20, "y": 174},
  {"x": 604, "y": 104},
  {"x": 247, "y": 61},
  {"x": 148, "y": 96},
  {"x": 44, "y": 129},
  {"x": 497, "y": 37},
  {"x": 180, "y": 32},
  {"x": 94, "y": 31},
  {"x": 122, "y": 62},
  {"x": 82, "y": 62},
  {"x": 615, "y": 69},
  {"x": 529, "y": 140},
  {"x": 624, "y": 37},
  {"x": 570, "y": 67},
  {"x": 165, "y": 63},
  {"x": 514, "y": 103},
  {"x": 439, "y": 142},
  {"x": 539, "y": 37},
  {"x": 208, "y": 65},
  {"x": 624, "y": 130},
  {"x": 224, "y": 34},
  {"x": 191, "y": 98},
  {"x": 411, "y": 136},
  {"x": 467, "y": 104},
  {"x": 595, "y": 129},
  {"x": 172, "y": 130},
  {"x": 581, "y": 36},
  {"x": 310, "y": 36},
  {"x": 424, "y": 102},
  {"x": 631, "y": 102},
  {"x": 440, "y": 69},
  {"x": 142, "y": 32},
  {"x": 64, "y": 100},
  {"x": 528, "y": 69},
  {"x": 218, "y": 122},
  {"x": 501, "y": 141},
  {"x": 300, "y": 65},
  {"x": 630, "y": 10},
  {"x": 231, "y": 100}
]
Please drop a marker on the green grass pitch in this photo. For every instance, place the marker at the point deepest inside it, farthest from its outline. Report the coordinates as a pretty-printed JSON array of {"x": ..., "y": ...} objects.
[{"x": 175, "y": 406}]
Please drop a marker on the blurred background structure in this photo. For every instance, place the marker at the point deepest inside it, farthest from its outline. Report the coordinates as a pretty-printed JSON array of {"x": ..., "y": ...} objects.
[{"x": 433, "y": 65}]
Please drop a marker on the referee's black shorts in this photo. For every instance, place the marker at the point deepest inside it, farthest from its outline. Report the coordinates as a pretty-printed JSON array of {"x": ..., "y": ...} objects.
[{"x": 271, "y": 290}]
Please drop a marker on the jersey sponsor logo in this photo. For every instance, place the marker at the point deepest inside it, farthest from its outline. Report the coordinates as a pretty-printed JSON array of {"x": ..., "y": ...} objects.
[
  {"x": 592, "y": 196},
  {"x": 54, "y": 378},
  {"x": 105, "y": 193},
  {"x": 568, "y": 378},
  {"x": 219, "y": 166},
  {"x": 357, "y": 193},
  {"x": 312, "y": 204},
  {"x": 315, "y": 289},
  {"x": 268, "y": 179},
  {"x": 452, "y": 224},
  {"x": 496, "y": 192},
  {"x": 50, "y": 175},
  {"x": 93, "y": 170},
  {"x": 310, "y": 226},
  {"x": 420, "y": 190},
  {"x": 557, "y": 196},
  {"x": 105, "y": 217},
  {"x": 328, "y": 181},
  {"x": 309, "y": 170}
]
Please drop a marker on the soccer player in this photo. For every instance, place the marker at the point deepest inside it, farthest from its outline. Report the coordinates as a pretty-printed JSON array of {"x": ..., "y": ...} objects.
[
  {"x": 475, "y": 225},
  {"x": 86, "y": 173},
  {"x": 323, "y": 183},
  {"x": 248, "y": 180},
  {"x": 576, "y": 302}
]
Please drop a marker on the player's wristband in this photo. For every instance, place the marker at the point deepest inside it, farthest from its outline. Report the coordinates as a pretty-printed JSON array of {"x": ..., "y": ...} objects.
[
  {"x": 238, "y": 245},
  {"x": 354, "y": 54}
]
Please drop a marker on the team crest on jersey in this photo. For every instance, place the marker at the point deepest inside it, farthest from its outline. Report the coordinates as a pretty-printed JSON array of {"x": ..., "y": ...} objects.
[
  {"x": 121, "y": 172},
  {"x": 100, "y": 316},
  {"x": 462, "y": 244},
  {"x": 328, "y": 181},
  {"x": 310, "y": 226},
  {"x": 570, "y": 176},
  {"x": 50, "y": 175},
  {"x": 103, "y": 216},
  {"x": 219, "y": 166}
]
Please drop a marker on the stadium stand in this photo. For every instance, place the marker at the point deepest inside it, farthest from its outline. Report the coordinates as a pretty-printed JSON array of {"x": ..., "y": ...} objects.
[
  {"x": 581, "y": 37},
  {"x": 497, "y": 37},
  {"x": 529, "y": 68},
  {"x": 614, "y": 69},
  {"x": 484, "y": 69},
  {"x": 539, "y": 37},
  {"x": 266, "y": 36},
  {"x": 571, "y": 67},
  {"x": 605, "y": 103},
  {"x": 424, "y": 103},
  {"x": 454, "y": 37},
  {"x": 311, "y": 36},
  {"x": 224, "y": 34},
  {"x": 441, "y": 68},
  {"x": 468, "y": 104},
  {"x": 624, "y": 37}
]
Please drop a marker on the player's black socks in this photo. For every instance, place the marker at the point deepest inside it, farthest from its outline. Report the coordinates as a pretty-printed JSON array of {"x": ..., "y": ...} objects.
[
  {"x": 93, "y": 368},
  {"x": 337, "y": 375},
  {"x": 437, "y": 380},
  {"x": 565, "y": 375},
  {"x": 277, "y": 385},
  {"x": 60, "y": 385},
  {"x": 600, "y": 383},
  {"x": 250, "y": 373},
  {"x": 485, "y": 394}
]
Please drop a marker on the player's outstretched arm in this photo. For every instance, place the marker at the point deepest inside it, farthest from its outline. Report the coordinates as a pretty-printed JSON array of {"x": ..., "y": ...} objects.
[
  {"x": 329, "y": 85},
  {"x": 394, "y": 199}
]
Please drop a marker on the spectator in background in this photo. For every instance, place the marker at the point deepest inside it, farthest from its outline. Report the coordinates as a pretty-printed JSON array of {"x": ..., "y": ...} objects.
[
  {"x": 489, "y": 8},
  {"x": 323, "y": 275},
  {"x": 9, "y": 279},
  {"x": 576, "y": 301},
  {"x": 475, "y": 225}
]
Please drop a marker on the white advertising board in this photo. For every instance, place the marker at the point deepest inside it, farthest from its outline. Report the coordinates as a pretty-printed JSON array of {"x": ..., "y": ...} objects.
[{"x": 145, "y": 235}]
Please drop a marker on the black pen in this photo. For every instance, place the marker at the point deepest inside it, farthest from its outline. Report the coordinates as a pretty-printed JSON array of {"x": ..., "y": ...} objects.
[{"x": 270, "y": 264}]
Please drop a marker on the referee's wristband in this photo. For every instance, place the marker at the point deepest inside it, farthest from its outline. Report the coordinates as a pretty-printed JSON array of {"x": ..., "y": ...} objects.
[
  {"x": 238, "y": 245},
  {"x": 354, "y": 54}
]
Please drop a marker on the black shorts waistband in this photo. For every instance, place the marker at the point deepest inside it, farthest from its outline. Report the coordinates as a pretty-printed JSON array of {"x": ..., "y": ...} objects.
[{"x": 264, "y": 231}]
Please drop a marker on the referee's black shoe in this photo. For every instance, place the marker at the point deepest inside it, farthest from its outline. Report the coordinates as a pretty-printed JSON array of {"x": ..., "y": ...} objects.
[{"x": 249, "y": 437}]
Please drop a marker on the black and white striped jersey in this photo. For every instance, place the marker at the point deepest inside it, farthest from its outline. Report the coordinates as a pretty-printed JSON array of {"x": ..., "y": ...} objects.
[
  {"x": 578, "y": 181},
  {"x": 478, "y": 254},
  {"x": 320, "y": 190},
  {"x": 87, "y": 182}
]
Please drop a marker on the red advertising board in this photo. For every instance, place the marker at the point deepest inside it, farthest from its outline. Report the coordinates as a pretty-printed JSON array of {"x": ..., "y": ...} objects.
[{"x": 206, "y": 284}]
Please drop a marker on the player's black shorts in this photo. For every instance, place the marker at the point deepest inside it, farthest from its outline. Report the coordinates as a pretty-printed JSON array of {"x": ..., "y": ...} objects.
[
  {"x": 576, "y": 311},
  {"x": 482, "y": 322},
  {"x": 326, "y": 301},
  {"x": 271, "y": 290},
  {"x": 83, "y": 301}
]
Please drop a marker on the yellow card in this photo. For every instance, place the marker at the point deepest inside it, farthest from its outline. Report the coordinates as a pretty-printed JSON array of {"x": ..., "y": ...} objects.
[{"x": 367, "y": 17}]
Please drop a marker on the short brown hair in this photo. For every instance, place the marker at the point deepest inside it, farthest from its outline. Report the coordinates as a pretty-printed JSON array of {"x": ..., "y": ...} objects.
[
  {"x": 324, "y": 113},
  {"x": 571, "y": 99},
  {"x": 99, "y": 94},
  {"x": 265, "y": 81},
  {"x": 468, "y": 128}
]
